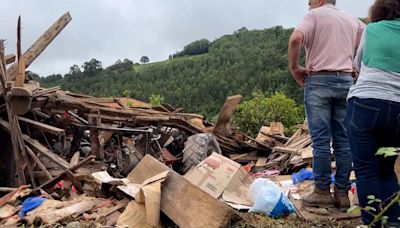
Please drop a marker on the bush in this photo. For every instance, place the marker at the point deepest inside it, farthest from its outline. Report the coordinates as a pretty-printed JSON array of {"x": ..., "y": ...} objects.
[
  {"x": 261, "y": 110},
  {"x": 156, "y": 100}
]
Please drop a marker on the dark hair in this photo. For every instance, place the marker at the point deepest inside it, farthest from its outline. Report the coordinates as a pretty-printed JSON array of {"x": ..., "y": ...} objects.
[{"x": 385, "y": 10}]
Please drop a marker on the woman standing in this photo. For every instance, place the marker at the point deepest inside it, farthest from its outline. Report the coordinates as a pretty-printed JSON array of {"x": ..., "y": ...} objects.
[{"x": 373, "y": 111}]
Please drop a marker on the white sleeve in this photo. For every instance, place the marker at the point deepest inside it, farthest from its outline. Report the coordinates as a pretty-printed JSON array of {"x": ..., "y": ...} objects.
[{"x": 360, "y": 50}]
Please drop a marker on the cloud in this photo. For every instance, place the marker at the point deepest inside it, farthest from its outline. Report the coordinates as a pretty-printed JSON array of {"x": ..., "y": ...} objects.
[{"x": 109, "y": 30}]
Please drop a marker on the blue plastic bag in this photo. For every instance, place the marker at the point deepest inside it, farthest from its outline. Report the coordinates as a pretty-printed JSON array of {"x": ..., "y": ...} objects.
[
  {"x": 301, "y": 176},
  {"x": 269, "y": 199},
  {"x": 30, "y": 204}
]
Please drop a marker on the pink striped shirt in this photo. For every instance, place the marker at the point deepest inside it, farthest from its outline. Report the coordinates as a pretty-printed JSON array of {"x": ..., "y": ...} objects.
[{"x": 330, "y": 38}]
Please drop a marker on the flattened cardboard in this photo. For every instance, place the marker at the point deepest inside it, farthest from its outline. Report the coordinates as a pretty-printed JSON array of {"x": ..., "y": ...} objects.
[
  {"x": 146, "y": 208},
  {"x": 222, "y": 178}
]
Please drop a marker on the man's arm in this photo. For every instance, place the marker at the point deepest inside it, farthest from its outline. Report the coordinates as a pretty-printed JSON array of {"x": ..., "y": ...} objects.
[
  {"x": 360, "y": 51},
  {"x": 298, "y": 73}
]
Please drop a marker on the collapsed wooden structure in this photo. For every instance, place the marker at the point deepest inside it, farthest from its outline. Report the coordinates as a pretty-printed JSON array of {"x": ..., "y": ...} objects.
[{"x": 55, "y": 133}]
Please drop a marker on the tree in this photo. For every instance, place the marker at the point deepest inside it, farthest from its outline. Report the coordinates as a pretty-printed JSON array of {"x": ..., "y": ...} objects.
[
  {"x": 238, "y": 63},
  {"x": 197, "y": 47},
  {"x": 251, "y": 115},
  {"x": 92, "y": 68},
  {"x": 74, "y": 69},
  {"x": 241, "y": 30},
  {"x": 144, "y": 59}
]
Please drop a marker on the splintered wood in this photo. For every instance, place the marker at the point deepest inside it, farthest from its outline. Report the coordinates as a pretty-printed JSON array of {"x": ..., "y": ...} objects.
[{"x": 294, "y": 154}]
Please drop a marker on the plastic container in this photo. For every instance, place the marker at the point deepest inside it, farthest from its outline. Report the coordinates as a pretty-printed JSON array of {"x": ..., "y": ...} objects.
[{"x": 269, "y": 199}]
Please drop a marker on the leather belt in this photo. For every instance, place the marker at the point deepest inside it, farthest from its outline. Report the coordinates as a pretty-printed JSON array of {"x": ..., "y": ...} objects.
[{"x": 325, "y": 72}]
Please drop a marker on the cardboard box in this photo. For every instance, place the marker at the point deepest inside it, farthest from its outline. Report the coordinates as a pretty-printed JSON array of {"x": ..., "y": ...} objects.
[
  {"x": 222, "y": 178},
  {"x": 277, "y": 128}
]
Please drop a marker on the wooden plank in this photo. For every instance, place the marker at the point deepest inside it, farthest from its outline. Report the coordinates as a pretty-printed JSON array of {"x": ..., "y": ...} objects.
[
  {"x": 47, "y": 91},
  {"x": 20, "y": 79},
  {"x": 184, "y": 203},
  {"x": 64, "y": 173},
  {"x": 40, "y": 114},
  {"x": 16, "y": 130},
  {"x": 51, "y": 217},
  {"x": 38, "y": 162},
  {"x": 296, "y": 143},
  {"x": 294, "y": 136},
  {"x": 307, "y": 153},
  {"x": 97, "y": 149},
  {"x": 67, "y": 184},
  {"x": 261, "y": 162},
  {"x": 223, "y": 125},
  {"x": 39, "y": 148},
  {"x": 285, "y": 150},
  {"x": 10, "y": 58},
  {"x": 38, "y": 47},
  {"x": 77, "y": 184},
  {"x": 44, "y": 127},
  {"x": 282, "y": 157}
]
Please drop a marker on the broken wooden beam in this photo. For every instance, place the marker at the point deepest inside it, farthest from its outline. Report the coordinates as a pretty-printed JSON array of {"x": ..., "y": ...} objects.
[
  {"x": 38, "y": 47},
  {"x": 10, "y": 58},
  {"x": 20, "y": 79},
  {"x": 223, "y": 125},
  {"x": 38, "y": 162},
  {"x": 286, "y": 150},
  {"x": 63, "y": 174},
  {"x": 44, "y": 127}
]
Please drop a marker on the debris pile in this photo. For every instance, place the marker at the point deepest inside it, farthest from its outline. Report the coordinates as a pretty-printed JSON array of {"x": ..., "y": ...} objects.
[{"x": 120, "y": 161}]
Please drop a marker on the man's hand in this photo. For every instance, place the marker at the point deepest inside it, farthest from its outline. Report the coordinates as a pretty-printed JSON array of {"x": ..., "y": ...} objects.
[{"x": 299, "y": 74}]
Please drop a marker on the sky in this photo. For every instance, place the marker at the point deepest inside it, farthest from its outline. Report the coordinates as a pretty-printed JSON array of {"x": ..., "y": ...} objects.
[{"x": 109, "y": 30}]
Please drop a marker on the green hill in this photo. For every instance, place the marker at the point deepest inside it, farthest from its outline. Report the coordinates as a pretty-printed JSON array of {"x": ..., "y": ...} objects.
[{"x": 199, "y": 77}]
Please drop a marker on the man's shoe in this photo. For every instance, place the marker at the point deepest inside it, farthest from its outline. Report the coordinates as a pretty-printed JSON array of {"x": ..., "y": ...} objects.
[
  {"x": 319, "y": 198},
  {"x": 342, "y": 201}
]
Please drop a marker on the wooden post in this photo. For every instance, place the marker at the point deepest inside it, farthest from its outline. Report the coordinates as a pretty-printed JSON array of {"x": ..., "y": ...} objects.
[
  {"x": 95, "y": 120},
  {"x": 15, "y": 130},
  {"x": 20, "y": 80},
  {"x": 38, "y": 47},
  {"x": 223, "y": 125},
  {"x": 3, "y": 78}
]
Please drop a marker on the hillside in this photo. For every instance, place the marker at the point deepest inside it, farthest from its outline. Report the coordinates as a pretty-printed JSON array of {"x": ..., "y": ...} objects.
[{"x": 232, "y": 64}]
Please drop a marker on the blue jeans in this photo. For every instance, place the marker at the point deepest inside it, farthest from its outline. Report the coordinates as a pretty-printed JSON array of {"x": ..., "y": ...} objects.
[
  {"x": 325, "y": 104},
  {"x": 372, "y": 124}
]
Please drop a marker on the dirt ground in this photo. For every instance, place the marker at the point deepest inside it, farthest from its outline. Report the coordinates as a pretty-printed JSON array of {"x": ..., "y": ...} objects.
[{"x": 260, "y": 221}]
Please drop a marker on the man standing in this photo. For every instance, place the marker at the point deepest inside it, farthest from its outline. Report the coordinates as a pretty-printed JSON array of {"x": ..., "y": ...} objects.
[{"x": 330, "y": 38}]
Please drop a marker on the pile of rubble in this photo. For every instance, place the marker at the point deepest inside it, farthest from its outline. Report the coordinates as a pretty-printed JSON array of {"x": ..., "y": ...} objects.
[{"x": 104, "y": 160}]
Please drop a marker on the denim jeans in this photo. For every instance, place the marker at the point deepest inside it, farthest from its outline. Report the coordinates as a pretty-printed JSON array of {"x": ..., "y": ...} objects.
[
  {"x": 372, "y": 124},
  {"x": 325, "y": 104}
]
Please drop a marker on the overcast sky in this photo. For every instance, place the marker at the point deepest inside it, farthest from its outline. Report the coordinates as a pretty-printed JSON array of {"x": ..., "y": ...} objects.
[{"x": 109, "y": 30}]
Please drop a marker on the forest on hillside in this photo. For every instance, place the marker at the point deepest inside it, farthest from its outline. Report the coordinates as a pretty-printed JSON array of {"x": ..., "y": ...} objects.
[{"x": 199, "y": 77}]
